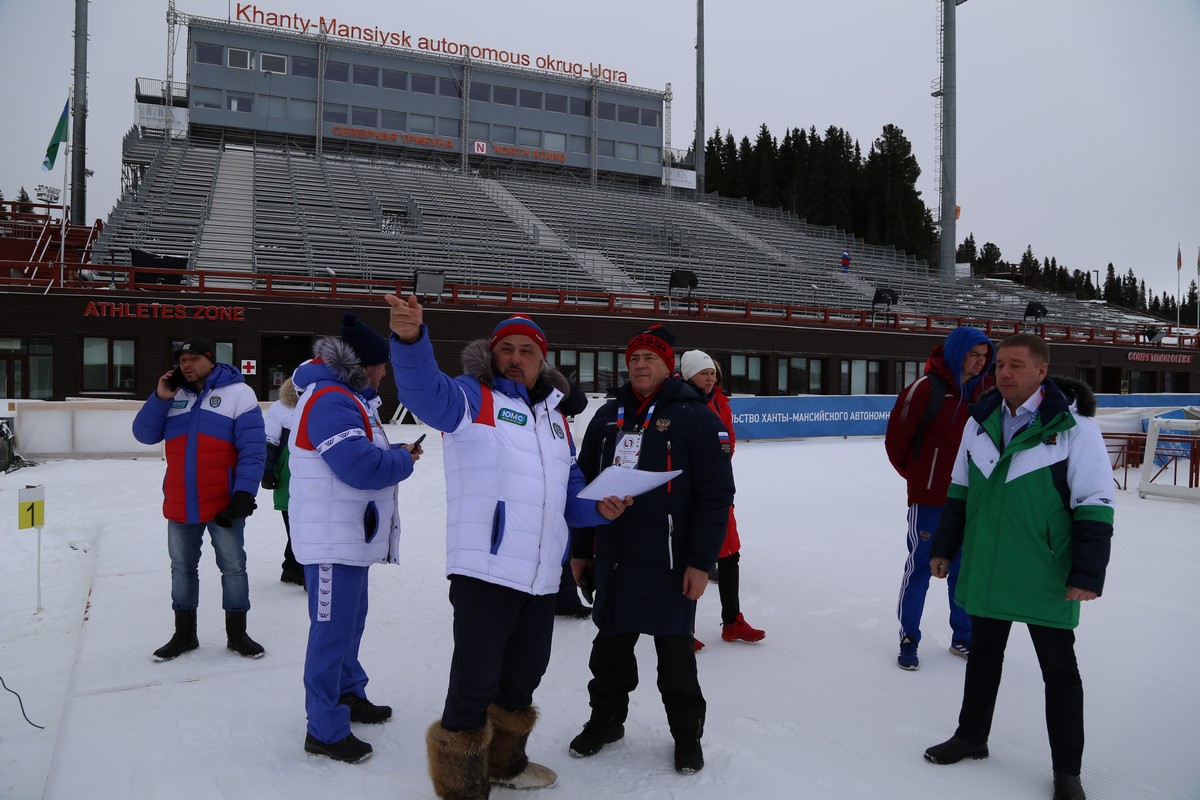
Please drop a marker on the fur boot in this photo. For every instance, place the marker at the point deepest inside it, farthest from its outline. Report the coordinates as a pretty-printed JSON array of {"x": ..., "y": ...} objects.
[
  {"x": 508, "y": 766},
  {"x": 458, "y": 762}
]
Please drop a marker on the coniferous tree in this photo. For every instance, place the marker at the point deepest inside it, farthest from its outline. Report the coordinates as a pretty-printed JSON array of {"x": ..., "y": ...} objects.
[
  {"x": 967, "y": 252},
  {"x": 1112, "y": 286},
  {"x": 990, "y": 257}
]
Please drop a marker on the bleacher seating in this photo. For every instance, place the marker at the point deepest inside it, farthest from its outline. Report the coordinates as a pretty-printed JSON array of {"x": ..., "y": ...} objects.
[{"x": 351, "y": 215}]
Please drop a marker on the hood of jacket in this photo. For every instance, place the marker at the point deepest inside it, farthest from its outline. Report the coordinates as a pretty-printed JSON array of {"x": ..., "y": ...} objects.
[
  {"x": 333, "y": 360},
  {"x": 477, "y": 363},
  {"x": 1061, "y": 394},
  {"x": 222, "y": 375},
  {"x": 947, "y": 358},
  {"x": 287, "y": 393}
]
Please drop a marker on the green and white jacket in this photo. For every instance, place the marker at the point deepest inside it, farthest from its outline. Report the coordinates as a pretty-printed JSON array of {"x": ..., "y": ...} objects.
[{"x": 1034, "y": 517}]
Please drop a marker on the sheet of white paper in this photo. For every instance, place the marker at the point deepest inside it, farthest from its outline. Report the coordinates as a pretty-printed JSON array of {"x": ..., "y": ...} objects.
[{"x": 622, "y": 482}]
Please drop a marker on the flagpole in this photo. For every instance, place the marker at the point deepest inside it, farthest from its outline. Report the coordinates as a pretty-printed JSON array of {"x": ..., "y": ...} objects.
[
  {"x": 1178, "y": 274},
  {"x": 62, "y": 234}
]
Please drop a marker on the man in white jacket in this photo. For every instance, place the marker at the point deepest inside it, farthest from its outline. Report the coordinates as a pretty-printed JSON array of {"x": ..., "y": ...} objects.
[
  {"x": 512, "y": 489},
  {"x": 343, "y": 515}
]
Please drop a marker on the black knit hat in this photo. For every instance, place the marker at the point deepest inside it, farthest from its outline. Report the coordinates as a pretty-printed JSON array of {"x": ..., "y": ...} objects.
[
  {"x": 197, "y": 345},
  {"x": 368, "y": 345},
  {"x": 657, "y": 339}
]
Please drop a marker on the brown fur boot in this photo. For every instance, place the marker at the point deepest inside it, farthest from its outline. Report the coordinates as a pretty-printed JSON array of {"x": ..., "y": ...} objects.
[
  {"x": 508, "y": 766},
  {"x": 458, "y": 762}
]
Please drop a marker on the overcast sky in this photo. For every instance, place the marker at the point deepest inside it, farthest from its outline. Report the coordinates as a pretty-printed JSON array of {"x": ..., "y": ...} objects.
[{"x": 1078, "y": 119}]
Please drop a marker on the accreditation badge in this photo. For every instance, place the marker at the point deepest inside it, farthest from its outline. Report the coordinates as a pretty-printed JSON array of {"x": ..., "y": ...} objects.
[{"x": 629, "y": 447}]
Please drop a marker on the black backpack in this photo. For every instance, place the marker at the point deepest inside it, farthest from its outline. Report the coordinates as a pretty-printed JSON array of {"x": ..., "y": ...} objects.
[{"x": 937, "y": 395}]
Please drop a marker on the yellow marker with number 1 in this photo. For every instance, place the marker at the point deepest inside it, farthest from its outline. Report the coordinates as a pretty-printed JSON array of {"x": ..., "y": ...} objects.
[{"x": 31, "y": 511}]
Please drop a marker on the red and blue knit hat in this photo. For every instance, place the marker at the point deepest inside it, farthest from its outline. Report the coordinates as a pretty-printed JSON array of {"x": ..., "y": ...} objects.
[
  {"x": 658, "y": 339},
  {"x": 518, "y": 325}
]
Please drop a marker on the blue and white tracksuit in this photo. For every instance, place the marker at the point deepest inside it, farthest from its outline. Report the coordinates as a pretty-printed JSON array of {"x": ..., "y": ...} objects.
[{"x": 343, "y": 518}]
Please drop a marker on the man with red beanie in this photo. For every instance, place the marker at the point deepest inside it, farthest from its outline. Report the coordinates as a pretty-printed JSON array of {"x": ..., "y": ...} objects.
[
  {"x": 663, "y": 545},
  {"x": 512, "y": 488}
]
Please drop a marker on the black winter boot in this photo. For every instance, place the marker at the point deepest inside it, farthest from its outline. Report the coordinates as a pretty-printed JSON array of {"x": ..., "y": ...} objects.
[
  {"x": 184, "y": 638},
  {"x": 239, "y": 642}
]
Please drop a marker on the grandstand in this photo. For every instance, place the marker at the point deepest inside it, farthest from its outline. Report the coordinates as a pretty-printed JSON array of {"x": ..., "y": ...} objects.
[
  {"x": 273, "y": 207},
  {"x": 304, "y": 176}
]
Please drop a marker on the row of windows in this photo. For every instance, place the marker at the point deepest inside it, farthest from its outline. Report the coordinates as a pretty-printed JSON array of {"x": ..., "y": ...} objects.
[
  {"x": 108, "y": 364},
  {"x": 364, "y": 75},
  {"x": 411, "y": 122}
]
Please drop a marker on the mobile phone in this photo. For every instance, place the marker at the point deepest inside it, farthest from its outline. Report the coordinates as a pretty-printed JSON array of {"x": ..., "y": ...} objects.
[
  {"x": 175, "y": 379},
  {"x": 417, "y": 443}
]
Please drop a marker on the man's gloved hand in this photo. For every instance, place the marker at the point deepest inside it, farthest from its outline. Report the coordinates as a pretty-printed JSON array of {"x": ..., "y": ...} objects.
[
  {"x": 587, "y": 585},
  {"x": 240, "y": 505},
  {"x": 269, "y": 481}
]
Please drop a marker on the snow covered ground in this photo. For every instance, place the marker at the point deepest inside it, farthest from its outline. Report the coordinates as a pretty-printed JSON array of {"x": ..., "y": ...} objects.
[{"x": 817, "y": 710}]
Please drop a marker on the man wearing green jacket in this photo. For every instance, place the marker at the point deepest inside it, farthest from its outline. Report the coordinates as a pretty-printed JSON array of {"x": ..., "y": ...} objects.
[{"x": 1031, "y": 505}]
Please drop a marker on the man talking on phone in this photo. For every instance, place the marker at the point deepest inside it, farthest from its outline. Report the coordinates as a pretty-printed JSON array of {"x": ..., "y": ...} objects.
[
  {"x": 215, "y": 448},
  {"x": 512, "y": 489}
]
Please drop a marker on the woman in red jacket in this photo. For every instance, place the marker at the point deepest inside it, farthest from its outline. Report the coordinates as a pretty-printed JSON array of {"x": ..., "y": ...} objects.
[{"x": 696, "y": 366}]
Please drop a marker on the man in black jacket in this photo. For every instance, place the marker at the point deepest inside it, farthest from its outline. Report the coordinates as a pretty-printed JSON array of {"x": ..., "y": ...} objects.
[{"x": 651, "y": 565}]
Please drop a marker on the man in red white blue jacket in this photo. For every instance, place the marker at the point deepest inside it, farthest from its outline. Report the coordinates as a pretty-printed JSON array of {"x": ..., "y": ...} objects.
[{"x": 215, "y": 448}]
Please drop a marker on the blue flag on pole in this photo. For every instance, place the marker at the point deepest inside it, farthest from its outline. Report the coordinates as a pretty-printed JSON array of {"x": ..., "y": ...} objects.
[{"x": 60, "y": 136}]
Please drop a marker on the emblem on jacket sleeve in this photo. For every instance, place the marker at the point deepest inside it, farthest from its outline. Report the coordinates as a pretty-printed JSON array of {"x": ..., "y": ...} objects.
[{"x": 662, "y": 424}]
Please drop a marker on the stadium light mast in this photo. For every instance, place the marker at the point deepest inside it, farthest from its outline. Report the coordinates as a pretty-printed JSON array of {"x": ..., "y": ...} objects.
[
  {"x": 699, "y": 146},
  {"x": 948, "y": 94},
  {"x": 79, "y": 126}
]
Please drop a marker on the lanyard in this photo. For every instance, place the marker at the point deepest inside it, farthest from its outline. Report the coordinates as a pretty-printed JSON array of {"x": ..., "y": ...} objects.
[{"x": 645, "y": 422}]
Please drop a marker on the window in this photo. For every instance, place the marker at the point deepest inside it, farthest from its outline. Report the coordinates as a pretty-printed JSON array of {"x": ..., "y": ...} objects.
[
  {"x": 556, "y": 103},
  {"x": 420, "y": 123},
  {"x": 606, "y": 111},
  {"x": 449, "y": 126},
  {"x": 366, "y": 76},
  {"x": 529, "y": 138},
  {"x": 209, "y": 53},
  {"x": 335, "y": 113},
  {"x": 107, "y": 364},
  {"x": 481, "y": 92},
  {"x": 449, "y": 87},
  {"x": 302, "y": 109},
  {"x": 269, "y": 62},
  {"x": 745, "y": 375},
  {"x": 531, "y": 99},
  {"x": 393, "y": 120},
  {"x": 239, "y": 59},
  {"x": 579, "y": 144},
  {"x": 337, "y": 71},
  {"x": 605, "y": 147},
  {"x": 504, "y": 95},
  {"x": 860, "y": 376},
  {"x": 627, "y": 114},
  {"x": 504, "y": 134},
  {"x": 799, "y": 376},
  {"x": 649, "y": 118},
  {"x": 555, "y": 141},
  {"x": 907, "y": 372},
  {"x": 581, "y": 107},
  {"x": 627, "y": 151},
  {"x": 304, "y": 67},
  {"x": 203, "y": 97},
  {"x": 478, "y": 130},
  {"x": 395, "y": 80},
  {"x": 239, "y": 102},
  {"x": 425, "y": 84},
  {"x": 650, "y": 155},
  {"x": 363, "y": 116}
]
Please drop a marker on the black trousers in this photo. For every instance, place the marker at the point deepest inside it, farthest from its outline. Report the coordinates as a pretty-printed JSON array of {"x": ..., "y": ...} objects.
[
  {"x": 1055, "y": 648},
  {"x": 728, "y": 574},
  {"x": 290, "y": 564},
  {"x": 501, "y": 649},
  {"x": 615, "y": 676}
]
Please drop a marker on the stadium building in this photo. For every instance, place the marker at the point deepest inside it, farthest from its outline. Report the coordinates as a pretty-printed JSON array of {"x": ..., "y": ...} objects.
[{"x": 303, "y": 170}]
